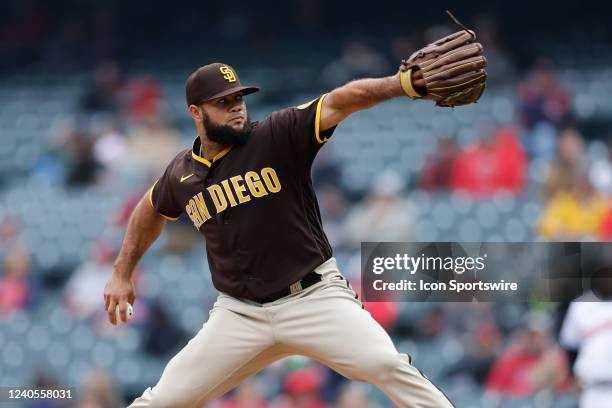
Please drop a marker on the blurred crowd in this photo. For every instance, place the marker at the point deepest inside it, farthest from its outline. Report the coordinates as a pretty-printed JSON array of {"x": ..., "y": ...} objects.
[{"x": 120, "y": 130}]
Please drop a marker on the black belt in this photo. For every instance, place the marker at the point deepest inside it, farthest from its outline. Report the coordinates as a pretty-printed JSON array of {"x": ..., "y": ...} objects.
[{"x": 306, "y": 282}]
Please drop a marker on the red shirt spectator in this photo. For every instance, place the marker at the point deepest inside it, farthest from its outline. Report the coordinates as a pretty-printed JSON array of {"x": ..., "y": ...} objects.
[
  {"x": 144, "y": 98},
  {"x": 303, "y": 389},
  {"x": 499, "y": 164},
  {"x": 530, "y": 365}
]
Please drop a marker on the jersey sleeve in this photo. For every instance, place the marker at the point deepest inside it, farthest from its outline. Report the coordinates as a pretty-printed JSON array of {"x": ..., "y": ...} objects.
[
  {"x": 162, "y": 196},
  {"x": 298, "y": 129}
]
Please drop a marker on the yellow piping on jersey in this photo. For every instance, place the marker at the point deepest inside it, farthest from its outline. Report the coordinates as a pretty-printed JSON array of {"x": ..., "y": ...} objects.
[
  {"x": 318, "y": 120},
  {"x": 217, "y": 156},
  {"x": 152, "y": 206},
  {"x": 305, "y": 105}
]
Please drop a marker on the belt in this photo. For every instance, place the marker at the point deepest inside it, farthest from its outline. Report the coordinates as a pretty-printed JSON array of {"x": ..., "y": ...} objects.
[{"x": 310, "y": 279}]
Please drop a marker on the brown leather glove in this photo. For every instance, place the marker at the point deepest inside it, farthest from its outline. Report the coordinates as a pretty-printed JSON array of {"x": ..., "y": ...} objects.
[{"x": 451, "y": 70}]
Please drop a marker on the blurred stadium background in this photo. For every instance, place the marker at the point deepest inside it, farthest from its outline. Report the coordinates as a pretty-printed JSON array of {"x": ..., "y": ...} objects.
[{"x": 92, "y": 108}]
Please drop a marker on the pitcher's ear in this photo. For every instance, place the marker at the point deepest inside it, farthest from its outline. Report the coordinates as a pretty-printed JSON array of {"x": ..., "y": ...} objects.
[{"x": 196, "y": 113}]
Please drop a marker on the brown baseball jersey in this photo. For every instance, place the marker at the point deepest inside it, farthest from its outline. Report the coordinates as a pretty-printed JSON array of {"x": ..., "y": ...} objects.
[{"x": 254, "y": 203}]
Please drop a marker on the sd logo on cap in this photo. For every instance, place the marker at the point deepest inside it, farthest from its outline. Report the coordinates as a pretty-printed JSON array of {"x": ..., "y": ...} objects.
[{"x": 228, "y": 73}]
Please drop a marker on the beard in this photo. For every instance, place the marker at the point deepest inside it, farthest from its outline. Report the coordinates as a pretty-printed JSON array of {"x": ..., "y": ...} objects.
[{"x": 227, "y": 135}]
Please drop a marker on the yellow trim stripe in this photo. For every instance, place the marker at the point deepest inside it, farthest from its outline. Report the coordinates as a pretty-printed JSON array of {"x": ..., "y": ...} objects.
[
  {"x": 406, "y": 82},
  {"x": 318, "y": 120},
  {"x": 151, "y": 195},
  {"x": 200, "y": 159},
  {"x": 222, "y": 153},
  {"x": 217, "y": 156},
  {"x": 168, "y": 218},
  {"x": 152, "y": 206},
  {"x": 305, "y": 105}
]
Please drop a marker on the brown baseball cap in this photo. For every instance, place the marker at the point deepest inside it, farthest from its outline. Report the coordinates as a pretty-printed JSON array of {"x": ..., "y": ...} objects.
[{"x": 213, "y": 81}]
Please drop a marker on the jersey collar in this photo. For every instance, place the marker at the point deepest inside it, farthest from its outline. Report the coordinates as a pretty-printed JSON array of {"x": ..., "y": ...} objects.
[{"x": 197, "y": 157}]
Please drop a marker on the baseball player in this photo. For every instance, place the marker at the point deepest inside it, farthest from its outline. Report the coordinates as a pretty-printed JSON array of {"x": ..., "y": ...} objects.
[
  {"x": 588, "y": 329},
  {"x": 246, "y": 188}
]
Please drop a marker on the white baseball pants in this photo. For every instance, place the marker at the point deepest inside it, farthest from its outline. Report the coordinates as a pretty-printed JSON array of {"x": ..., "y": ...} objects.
[{"x": 324, "y": 322}]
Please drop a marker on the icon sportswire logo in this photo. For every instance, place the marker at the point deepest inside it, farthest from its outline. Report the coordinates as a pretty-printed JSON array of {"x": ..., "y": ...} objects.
[{"x": 186, "y": 177}]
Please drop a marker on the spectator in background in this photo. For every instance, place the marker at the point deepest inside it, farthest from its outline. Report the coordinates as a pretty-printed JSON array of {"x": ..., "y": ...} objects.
[
  {"x": 106, "y": 91},
  {"x": 574, "y": 215},
  {"x": 152, "y": 143},
  {"x": 497, "y": 163},
  {"x": 482, "y": 347},
  {"x": 69, "y": 158},
  {"x": 383, "y": 216},
  {"x": 542, "y": 98},
  {"x": 437, "y": 170},
  {"x": 600, "y": 173},
  {"x": 432, "y": 323},
  {"x": 567, "y": 169},
  {"x": 544, "y": 107},
  {"x": 247, "y": 395},
  {"x": 110, "y": 149},
  {"x": 43, "y": 380},
  {"x": 16, "y": 287},
  {"x": 82, "y": 291},
  {"x": 423, "y": 322},
  {"x": 162, "y": 335},
  {"x": 98, "y": 391},
  {"x": 303, "y": 389},
  {"x": 134, "y": 99},
  {"x": 143, "y": 99},
  {"x": 83, "y": 168},
  {"x": 531, "y": 363},
  {"x": 353, "y": 395}
]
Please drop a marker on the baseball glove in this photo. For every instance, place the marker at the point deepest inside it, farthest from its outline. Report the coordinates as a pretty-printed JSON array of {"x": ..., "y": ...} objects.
[{"x": 449, "y": 71}]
